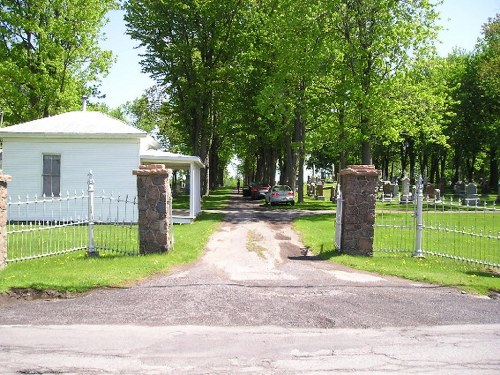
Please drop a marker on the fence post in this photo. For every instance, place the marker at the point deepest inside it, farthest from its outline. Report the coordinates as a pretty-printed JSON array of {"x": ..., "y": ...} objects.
[
  {"x": 338, "y": 219},
  {"x": 91, "y": 251},
  {"x": 155, "y": 215},
  {"x": 419, "y": 214},
  {"x": 3, "y": 219}
]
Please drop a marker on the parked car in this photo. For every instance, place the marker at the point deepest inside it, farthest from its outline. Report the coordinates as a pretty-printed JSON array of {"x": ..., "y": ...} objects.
[
  {"x": 259, "y": 190},
  {"x": 280, "y": 194},
  {"x": 247, "y": 190}
]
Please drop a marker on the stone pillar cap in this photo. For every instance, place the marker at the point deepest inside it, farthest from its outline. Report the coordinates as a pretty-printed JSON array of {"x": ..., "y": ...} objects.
[
  {"x": 365, "y": 170},
  {"x": 151, "y": 169},
  {"x": 4, "y": 177}
]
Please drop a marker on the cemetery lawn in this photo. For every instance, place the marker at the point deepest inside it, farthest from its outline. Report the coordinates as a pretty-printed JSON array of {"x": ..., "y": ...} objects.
[{"x": 317, "y": 232}]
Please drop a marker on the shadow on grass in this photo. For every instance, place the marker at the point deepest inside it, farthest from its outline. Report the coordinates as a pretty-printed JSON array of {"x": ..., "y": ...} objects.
[
  {"x": 218, "y": 199},
  {"x": 209, "y": 216},
  {"x": 493, "y": 274},
  {"x": 319, "y": 217}
]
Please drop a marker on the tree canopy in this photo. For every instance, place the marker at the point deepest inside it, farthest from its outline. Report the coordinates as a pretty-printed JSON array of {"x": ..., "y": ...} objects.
[
  {"x": 277, "y": 83},
  {"x": 49, "y": 55}
]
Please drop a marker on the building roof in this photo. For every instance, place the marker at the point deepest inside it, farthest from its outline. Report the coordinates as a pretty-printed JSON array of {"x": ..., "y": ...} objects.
[
  {"x": 170, "y": 159},
  {"x": 77, "y": 124}
]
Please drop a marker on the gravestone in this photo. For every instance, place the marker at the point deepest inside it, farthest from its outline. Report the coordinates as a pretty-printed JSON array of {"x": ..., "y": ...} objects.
[
  {"x": 459, "y": 189},
  {"x": 406, "y": 196},
  {"x": 431, "y": 193},
  {"x": 471, "y": 196},
  {"x": 319, "y": 191},
  {"x": 387, "y": 191}
]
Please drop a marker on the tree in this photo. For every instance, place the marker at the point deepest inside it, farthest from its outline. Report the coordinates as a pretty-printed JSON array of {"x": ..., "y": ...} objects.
[
  {"x": 49, "y": 55},
  {"x": 488, "y": 65},
  {"x": 189, "y": 47},
  {"x": 378, "y": 38}
]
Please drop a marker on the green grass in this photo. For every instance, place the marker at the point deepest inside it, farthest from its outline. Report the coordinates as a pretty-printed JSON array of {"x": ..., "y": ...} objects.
[
  {"x": 218, "y": 199},
  {"x": 318, "y": 232},
  {"x": 180, "y": 202},
  {"x": 75, "y": 272}
]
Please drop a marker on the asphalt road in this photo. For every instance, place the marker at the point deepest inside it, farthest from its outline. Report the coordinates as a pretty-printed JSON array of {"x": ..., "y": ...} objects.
[{"x": 253, "y": 304}]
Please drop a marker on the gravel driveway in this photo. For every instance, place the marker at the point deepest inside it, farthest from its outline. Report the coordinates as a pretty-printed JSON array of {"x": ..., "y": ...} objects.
[{"x": 253, "y": 274}]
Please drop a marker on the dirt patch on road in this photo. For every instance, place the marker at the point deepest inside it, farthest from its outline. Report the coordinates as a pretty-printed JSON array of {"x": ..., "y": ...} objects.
[{"x": 28, "y": 294}]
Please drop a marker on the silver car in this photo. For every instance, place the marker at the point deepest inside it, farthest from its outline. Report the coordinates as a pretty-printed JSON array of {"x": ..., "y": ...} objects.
[{"x": 280, "y": 194}]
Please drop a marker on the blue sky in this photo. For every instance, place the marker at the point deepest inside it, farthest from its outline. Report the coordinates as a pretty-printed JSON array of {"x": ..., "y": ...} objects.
[{"x": 462, "y": 20}]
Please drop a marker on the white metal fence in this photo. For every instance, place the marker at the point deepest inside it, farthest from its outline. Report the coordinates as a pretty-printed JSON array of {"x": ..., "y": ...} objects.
[
  {"x": 445, "y": 228},
  {"x": 44, "y": 226}
]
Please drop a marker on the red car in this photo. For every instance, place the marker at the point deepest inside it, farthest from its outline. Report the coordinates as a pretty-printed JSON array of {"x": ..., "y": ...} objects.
[{"x": 258, "y": 191}]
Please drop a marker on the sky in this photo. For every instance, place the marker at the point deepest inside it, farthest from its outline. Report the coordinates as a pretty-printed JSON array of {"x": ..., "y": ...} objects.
[{"x": 461, "y": 19}]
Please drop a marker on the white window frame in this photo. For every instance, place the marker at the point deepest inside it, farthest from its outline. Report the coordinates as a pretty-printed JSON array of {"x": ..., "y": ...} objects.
[{"x": 51, "y": 176}]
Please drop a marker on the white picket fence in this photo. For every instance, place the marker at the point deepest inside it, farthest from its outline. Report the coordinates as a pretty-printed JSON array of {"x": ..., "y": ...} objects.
[{"x": 44, "y": 226}]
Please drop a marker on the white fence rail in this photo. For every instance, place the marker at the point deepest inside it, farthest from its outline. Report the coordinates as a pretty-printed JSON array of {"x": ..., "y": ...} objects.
[
  {"x": 444, "y": 228},
  {"x": 44, "y": 226}
]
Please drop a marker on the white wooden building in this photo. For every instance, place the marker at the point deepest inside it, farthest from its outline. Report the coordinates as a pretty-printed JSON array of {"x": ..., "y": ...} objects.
[{"x": 53, "y": 155}]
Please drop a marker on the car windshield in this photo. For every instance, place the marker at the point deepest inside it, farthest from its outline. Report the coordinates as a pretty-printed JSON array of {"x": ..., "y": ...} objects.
[{"x": 281, "y": 188}]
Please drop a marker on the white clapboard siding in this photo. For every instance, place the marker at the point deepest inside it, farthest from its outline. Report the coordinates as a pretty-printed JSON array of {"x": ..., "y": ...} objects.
[{"x": 111, "y": 161}]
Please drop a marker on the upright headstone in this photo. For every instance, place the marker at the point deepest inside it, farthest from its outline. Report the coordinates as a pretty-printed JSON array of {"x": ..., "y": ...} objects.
[
  {"x": 3, "y": 219},
  {"x": 471, "y": 196},
  {"x": 153, "y": 193},
  {"x": 359, "y": 192},
  {"x": 319, "y": 195},
  {"x": 406, "y": 195},
  {"x": 387, "y": 192},
  {"x": 459, "y": 189},
  {"x": 431, "y": 193}
]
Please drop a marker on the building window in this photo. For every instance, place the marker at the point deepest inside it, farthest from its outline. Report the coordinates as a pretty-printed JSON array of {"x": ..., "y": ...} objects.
[{"x": 51, "y": 175}]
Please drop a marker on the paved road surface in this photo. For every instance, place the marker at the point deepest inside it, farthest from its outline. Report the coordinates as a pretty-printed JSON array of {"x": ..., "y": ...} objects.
[{"x": 254, "y": 305}]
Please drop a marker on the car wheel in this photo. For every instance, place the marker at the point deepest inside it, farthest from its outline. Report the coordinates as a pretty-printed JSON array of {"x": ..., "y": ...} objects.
[{"x": 292, "y": 203}]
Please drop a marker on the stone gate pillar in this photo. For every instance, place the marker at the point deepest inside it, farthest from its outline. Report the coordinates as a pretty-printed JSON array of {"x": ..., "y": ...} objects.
[
  {"x": 3, "y": 219},
  {"x": 155, "y": 215},
  {"x": 359, "y": 192}
]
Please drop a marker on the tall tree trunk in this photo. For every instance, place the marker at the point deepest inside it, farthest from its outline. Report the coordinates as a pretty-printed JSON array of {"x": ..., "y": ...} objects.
[
  {"x": 403, "y": 154},
  {"x": 493, "y": 168},
  {"x": 300, "y": 131},
  {"x": 342, "y": 136},
  {"x": 434, "y": 170},
  {"x": 366, "y": 153},
  {"x": 412, "y": 157}
]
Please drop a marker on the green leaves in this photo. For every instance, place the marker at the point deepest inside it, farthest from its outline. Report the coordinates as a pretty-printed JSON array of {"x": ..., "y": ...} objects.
[{"x": 49, "y": 55}]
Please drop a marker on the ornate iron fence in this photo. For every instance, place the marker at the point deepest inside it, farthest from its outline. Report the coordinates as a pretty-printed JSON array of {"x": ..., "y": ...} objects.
[
  {"x": 444, "y": 228},
  {"x": 44, "y": 226}
]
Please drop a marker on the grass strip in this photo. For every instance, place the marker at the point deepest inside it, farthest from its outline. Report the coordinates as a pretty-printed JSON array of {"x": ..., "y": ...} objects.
[
  {"x": 75, "y": 272},
  {"x": 318, "y": 231}
]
